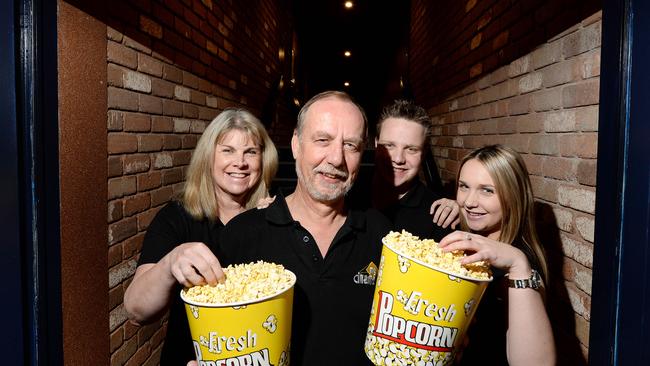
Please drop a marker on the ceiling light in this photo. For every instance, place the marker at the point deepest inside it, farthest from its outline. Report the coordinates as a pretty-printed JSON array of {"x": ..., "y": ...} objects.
[
  {"x": 349, "y": 4},
  {"x": 347, "y": 83},
  {"x": 347, "y": 53}
]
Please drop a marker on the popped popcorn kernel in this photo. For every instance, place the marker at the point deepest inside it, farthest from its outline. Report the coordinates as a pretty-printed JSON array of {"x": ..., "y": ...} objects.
[
  {"x": 244, "y": 282},
  {"x": 427, "y": 251}
]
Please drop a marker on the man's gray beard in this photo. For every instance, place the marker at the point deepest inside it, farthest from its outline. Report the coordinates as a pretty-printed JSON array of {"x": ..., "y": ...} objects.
[{"x": 337, "y": 194}]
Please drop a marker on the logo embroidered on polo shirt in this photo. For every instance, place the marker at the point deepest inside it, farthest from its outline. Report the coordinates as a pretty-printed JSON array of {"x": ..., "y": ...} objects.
[{"x": 366, "y": 275}]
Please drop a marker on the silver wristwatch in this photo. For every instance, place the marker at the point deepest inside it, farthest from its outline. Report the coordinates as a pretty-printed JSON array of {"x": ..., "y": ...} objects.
[{"x": 534, "y": 281}]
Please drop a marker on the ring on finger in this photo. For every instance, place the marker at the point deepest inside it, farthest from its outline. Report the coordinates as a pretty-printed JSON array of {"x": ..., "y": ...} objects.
[{"x": 468, "y": 237}]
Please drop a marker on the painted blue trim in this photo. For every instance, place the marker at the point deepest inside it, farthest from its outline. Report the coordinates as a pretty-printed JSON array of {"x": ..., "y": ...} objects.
[
  {"x": 620, "y": 315},
  {"x": 12, "y": 338}
]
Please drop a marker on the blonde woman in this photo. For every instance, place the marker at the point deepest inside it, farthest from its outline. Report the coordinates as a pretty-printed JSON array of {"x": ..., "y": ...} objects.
[
  {"x": 497, "y": 217},
  {"x": 231, "y": 169}
]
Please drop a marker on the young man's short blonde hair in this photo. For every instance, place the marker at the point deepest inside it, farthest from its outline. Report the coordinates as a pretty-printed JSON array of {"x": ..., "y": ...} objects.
[{"x": 199, "y": 192}]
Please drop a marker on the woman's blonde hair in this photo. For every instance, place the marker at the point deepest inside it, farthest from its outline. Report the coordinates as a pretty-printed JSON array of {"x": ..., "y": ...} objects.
[
  {"x": 508, "y": 171},
  {"x": 199, "y": 197}
]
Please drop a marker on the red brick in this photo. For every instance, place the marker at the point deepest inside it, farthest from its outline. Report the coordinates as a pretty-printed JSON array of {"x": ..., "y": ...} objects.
[
  {"x": 115, "y": 295},
  {"x": 561, "y": 121},
  {"x": 587, "y": 118},
  {"x": 530, "y": 123},
  {"x": 197, "y": 97},
  {"x": 519, "y": 105},
  {"x": 149, "y": 181},
  {"x": 150, "y": 104},
  {"x": 138, "y": 41},
  {"x": 161, "y": 124},
  {"x": 146, "y": 332},
  {"x": 585, "y": 93},
  {"x": 159, "y": 336},
  {"x": 161, "y": 195},
  {"x": 545, "y": 188},
  {"x": 116, "y": 339},
  {"x": 121, "y": 230},
  {"x": 190, "y": 111},
  {"x": 162, "y": 160},
  {"x": 148, "y": 143},
  {"x": 119, "y": 143},
  {"x": 587, "y": 172},
  {"x": 546, "y": 99},
  {"x": 547, "y": 54},
  {"x": 499, "y": 109},
  {"x": 113, "y": 34},
  {"x": 154, "y": 359},
  {"x": 114, "y": 210},
  {"x": 507, "y": 125},
  {"x": 122, "y": 55},
  {"x": 115, "y": 120},
  {"x": 171, "y": 142},
  {"x": 151, "y": 27},
  {"x": 580, "y": 198},
  {"x": 119, "y": 187},
  {"x": 533, "y": 163},
  {"x": 516, "y": 141},
  {"x": 544, "y": 145},
  {"x": 583, "y": 145},
  {"x": 144, "y": 219},
  {"x": 170, "y": 176},
  {"x": 162, "y": 88},
  {"x": 115, "y": 75},
  {"x": 189, "y": 141},
  {"x": 182, "y": 27},
  {"x": 130, "y": 330},
  {"x": 172, "y": 108},
  {"x": 114, "y": 166},
  {"x": 136, "y": 163},
  {"x": 137, "y": 203},
  {"x": 181, "y": 157},
  {"x": 137, "y": 122},
  {"x": 114, "y": 256},
  {"x": 122, "y": 99},
  {"x": 140, "y": 356},
  {"x": 557, "y": 74},
  {"x": 133, "y": 245},
  {"x": 172, "y": 74},
  {"x": 583, "y": 40},
  {"x": 560, "y": 168},
  {"x": 149, "y": 65}
]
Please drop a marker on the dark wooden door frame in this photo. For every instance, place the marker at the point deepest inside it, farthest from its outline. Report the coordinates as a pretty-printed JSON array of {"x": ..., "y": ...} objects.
[{"x": 620, "y": 314}]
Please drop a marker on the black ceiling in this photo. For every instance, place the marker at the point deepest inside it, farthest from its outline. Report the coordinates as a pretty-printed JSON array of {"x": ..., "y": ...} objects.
[{"x": 376, "y": 32}]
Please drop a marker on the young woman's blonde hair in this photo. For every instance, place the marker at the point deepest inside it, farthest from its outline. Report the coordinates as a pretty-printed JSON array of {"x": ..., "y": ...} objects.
[
  {"x": 199, "y": 197},
  {"x": 508, "y": 171}
]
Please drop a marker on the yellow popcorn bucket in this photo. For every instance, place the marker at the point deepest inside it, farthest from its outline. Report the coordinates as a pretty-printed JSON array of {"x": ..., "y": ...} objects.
[
  {"x": 419, "y": 313},
  {"x": 247, "y": 333}
]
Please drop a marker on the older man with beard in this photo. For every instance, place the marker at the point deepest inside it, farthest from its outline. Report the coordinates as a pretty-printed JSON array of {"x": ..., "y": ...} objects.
[{"x": 333, "y": 250}]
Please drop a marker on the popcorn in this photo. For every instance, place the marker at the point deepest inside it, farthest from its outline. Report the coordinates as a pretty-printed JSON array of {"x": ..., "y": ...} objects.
[
  {"x": 427, "y": 251},
  {"x": 382, "y": 351},
  {"x": 244, "y": 282}
]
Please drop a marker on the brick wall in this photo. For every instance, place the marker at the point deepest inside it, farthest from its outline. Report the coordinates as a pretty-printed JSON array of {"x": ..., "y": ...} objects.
[
  {"x": 544, "y": 104},
  {"x": 454, "y": 42},
  {"x": 172, "y": 67}
]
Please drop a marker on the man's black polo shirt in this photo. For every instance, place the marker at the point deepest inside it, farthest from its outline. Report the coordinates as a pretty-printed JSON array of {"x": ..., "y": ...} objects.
[
  {"x": 411, "y": 213},
  {"x": 333, "y": 295}
]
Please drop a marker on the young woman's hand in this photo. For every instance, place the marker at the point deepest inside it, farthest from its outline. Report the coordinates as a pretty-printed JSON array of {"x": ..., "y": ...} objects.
[
  {"x": 194, "y": 264},
  {"x": 496, "y": 253}
]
